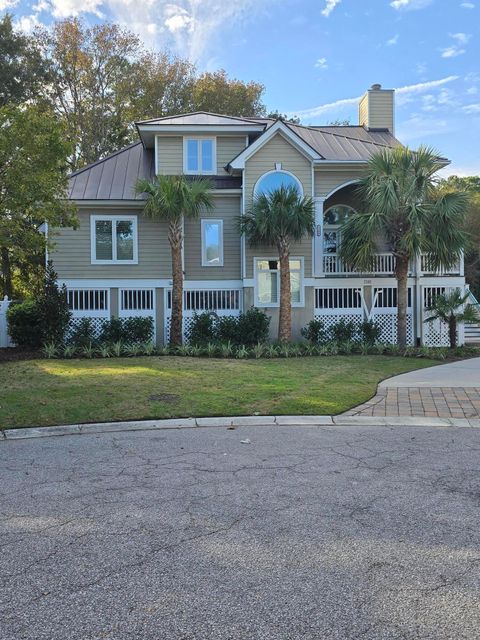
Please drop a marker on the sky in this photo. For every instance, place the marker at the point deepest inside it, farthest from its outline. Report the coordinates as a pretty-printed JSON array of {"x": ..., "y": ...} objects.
[{"x": 317, "y": 57}]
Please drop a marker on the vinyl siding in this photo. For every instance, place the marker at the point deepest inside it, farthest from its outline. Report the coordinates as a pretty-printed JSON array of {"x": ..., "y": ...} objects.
[
  {"x": 326, "y": 180},
  {"x": 227, "y": 208},
  {"x": 278, "y": 149},
  {"x": 381, "y": 110},
  {"x": 71, "y": 254},
  {"x": 170, "y": 153},
  {"x": 376, "y": 110}
]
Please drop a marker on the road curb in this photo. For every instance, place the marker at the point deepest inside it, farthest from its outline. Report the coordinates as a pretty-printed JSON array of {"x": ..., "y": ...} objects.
[{"x": 238, "y": 421}]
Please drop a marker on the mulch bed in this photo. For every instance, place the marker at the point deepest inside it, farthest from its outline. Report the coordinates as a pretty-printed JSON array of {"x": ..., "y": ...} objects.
[{"x": 13, "y": 354}]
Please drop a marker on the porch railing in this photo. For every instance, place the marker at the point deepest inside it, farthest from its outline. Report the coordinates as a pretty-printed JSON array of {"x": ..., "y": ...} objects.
[{"x": 384, "y": 264}]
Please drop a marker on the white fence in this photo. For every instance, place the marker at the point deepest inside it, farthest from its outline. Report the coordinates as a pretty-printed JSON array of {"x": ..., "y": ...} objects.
[{"x": 5, "y": 340}]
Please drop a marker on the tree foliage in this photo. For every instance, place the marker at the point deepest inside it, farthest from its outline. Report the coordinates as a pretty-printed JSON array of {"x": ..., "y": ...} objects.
[
  {"x": 103, "y": 80},
  {"x": 22, "y": 69},
  {"x": 171, "y": 199},
  {"x": 33, "y": 182},
  {"x": 402, "y": 206},
  {"x": 471, "y": 186},
  {"x": 279, "y": 218}
]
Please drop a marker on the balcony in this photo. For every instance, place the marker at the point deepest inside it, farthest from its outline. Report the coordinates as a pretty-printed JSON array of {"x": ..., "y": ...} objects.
[{"x": 384, "y": 265}]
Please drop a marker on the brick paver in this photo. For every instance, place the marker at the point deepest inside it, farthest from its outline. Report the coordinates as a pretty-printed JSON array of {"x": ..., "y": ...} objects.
[{"x": 443, "y": 402}]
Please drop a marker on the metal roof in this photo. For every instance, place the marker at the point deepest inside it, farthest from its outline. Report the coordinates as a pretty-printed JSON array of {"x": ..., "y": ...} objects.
[
  {"x": 200, "y": 117},
  {"x": 345, "y": 142},
  {"x": 114, "y": 177}
]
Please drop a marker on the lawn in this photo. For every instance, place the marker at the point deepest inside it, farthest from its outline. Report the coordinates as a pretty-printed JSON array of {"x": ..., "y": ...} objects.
[{"x": 48, "y": 392}]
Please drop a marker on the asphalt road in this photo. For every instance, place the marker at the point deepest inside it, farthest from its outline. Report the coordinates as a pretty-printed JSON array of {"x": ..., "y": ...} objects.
[{"x": 304, "y": 533}]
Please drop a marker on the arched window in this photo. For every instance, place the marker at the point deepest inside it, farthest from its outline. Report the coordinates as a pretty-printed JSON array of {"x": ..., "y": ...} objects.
[
  {"x": 276, "y": 179},
  {"x": 333, "y": 218}
]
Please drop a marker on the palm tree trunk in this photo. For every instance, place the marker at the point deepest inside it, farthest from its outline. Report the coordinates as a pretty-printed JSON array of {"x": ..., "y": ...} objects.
[
  {"x": 6, "y": 273},
  {"x": 452, "y": 331},
  {"x": 401, "y": 273},
  {"x": 285, "y": 316},
  {"x": 175, "y": 238}
]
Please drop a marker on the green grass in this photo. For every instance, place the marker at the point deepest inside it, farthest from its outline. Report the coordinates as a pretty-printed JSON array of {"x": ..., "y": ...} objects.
[{"x": 48, "y": 392}]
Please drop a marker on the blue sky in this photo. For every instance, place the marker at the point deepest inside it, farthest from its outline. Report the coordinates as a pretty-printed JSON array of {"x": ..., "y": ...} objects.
[{"x": 316, "y": 57}]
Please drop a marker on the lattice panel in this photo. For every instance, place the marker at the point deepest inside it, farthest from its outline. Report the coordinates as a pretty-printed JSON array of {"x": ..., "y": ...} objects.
[
  {"x": 95, "y": 323},
  {"x": 388, "y": 324},
  {"x": 187, "y": 324},
  {"x": 435, "y": 334},
  {"x": 329, "y": 320}
]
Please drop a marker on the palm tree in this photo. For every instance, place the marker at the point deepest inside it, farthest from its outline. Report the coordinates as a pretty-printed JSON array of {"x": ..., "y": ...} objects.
[
  {"x": 278, "y": 218},
  {"x": 171, "y": 198},
  {"x": 452, "y": 308},
  {"x": 404, "y": 207}
]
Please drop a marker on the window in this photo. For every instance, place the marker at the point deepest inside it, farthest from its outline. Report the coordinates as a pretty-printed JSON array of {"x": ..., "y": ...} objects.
[
  {"x": 114, "y": 240},
  {"x": 276, "y": 179},
  {"x": 333, "y": 218},
  {"x": 199, "y": 155},
  {"x": 267, "y": 282},
  {"x": 212, "y": 243}
]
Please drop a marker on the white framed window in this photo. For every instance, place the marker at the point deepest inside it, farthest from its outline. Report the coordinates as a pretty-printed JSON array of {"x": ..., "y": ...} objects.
[
  {"x": 200, "y": 156},
  {"x": 114, "y": 239},
  {"x": 267, "y": 282},
  {"x": 212, "y": 242}
]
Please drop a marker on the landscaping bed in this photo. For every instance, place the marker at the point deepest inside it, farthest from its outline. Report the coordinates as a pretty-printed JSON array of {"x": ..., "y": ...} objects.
[{"x": 49, "y": 392}]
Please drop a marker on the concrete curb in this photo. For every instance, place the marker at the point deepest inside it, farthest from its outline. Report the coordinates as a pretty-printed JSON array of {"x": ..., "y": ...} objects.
[{"x": 240, "y": 421}]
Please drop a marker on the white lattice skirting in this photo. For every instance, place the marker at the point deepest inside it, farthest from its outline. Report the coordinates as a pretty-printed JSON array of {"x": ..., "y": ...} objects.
[
  {"x": 388, "y": 324},
  {"x": 330, "y": 319}
]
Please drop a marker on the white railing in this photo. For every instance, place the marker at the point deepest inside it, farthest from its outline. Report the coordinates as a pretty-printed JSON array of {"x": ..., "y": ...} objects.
[
  {"x": 427, "y": 267},
  {"x": 5, "y": 340},
  {"x": 383, "y": 263}
]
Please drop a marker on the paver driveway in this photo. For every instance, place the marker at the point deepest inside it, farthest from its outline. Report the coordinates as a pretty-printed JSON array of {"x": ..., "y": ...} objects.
[{"x": 303, "y": 533}]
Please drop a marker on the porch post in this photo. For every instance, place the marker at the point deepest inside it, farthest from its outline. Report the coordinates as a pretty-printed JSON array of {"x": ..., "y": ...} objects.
[{"x": 318, "y": 239}]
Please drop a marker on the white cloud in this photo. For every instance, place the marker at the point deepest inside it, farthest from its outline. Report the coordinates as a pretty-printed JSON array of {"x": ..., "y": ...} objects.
[
  {"x": 321, "y": 63},
  {"x": 329, "y": 7},
  {"x": 410, "y": 5},
  {"x": 471, "y": 91},
  {"x": 454, "y": 50},
  {"x": 403, "y": 95},
  {"x": 7, "y": 4},
  {"x": 190, "y": 27},
  {"x": 472, "y": 108},
  {"x": 27, "y": 23},
  {"x": 393, "y": 40},
  {"x": 72, "y": 8},
  {"x": 419, "y": 127},
  {"x": 467, "y": 5}
]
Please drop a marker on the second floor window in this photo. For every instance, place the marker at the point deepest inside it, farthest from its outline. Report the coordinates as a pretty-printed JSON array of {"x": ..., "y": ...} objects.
[
  {"x": 114, "y": 239},
  {"x": 212, "y": 243},
  {"x": 199, "y": 156}
]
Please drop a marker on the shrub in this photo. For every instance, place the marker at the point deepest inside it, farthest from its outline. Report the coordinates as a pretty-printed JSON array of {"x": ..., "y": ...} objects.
[
  {"x": 25, "y": 324},
  {"x": 112, "y": 330},
  {"x": 253, "y": 326},
  {"x": 53, "y": 308},
  {"x": 138, "y": 329},
  {"x": 227, "y": 329},
  {"x": 203, "y": 329},
  {"x": 343, "y": 331},
  {"x": 82, "y": 333},
  {"x": 315, "y": 332},
  {"x": 370, "y": 332},
  {"x": 128, "y": 330}
]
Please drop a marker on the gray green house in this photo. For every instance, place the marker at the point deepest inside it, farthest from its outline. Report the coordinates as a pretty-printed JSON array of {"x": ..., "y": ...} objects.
[{"x": 117, "y": 263}]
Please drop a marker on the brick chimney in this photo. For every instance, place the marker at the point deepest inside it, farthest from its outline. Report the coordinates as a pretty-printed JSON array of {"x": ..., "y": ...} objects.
[{"x": 376, "y": 109}]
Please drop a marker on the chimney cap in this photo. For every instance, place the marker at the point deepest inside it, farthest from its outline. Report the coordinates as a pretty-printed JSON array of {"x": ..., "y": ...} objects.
[{"x": 376, "y": 87}]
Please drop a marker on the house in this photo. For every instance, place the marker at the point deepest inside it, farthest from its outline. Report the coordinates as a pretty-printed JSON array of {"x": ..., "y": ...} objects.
[{"x": 117, "y": 263}]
